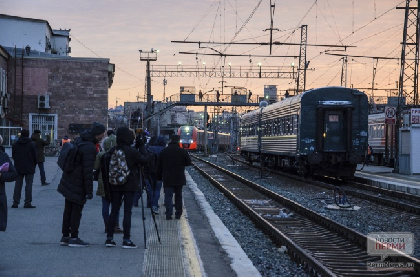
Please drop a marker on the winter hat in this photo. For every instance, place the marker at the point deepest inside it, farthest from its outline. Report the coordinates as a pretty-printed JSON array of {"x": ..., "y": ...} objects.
[
  {"x": 175, "y": 138},
  {"x": 24, "y": 133},
  {"x": 125, "y": 136},
  {"x": 97, "y": 129}
]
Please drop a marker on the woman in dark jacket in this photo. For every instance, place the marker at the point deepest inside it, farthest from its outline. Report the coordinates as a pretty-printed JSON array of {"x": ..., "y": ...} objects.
[
  {"x": 77, "y": 186},
  {"x": 126, "y": 192},
  {"x": 7, "y": 174}
]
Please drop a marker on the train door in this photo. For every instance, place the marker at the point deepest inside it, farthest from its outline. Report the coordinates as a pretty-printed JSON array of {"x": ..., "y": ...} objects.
[{"x": 335, "y": 133}]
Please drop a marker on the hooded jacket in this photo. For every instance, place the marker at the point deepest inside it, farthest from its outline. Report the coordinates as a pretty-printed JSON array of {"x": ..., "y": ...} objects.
[
  {"x": 75, "y": 185},
  {"x": 171, "y": 165},
  {"x": 40, "y": 144},
  {"x": 24, "y": 155}
]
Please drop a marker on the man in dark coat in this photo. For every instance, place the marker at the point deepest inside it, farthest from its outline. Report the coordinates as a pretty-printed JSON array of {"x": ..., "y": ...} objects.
[
  {"x": 40, "y": 144},
  {"x": 24, "y": 156},
  {"x": 8, "y": 173},
  {"x": 170, "y": 169},
  {"x": 77, "y": 186},
  {"x": 125, "y": 192}
]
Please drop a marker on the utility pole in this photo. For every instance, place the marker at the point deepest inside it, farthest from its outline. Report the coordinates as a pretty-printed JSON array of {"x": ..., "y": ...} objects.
[
  {"x": 271, "y": 29},
  {"x": 165, "y": 82},
  {"x": 148, "y": 57},
  {"x": 344, "y": 72},
  {"x": 301, "y": 72},
  {"x": 409, "y": 68}
]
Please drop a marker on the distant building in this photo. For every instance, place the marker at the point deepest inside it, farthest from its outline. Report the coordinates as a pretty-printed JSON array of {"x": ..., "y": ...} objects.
[{"x": 46, "y": 89}]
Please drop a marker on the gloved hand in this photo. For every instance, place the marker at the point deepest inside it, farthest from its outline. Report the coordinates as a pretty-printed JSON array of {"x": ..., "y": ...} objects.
[{"x": 89, "y": 196}]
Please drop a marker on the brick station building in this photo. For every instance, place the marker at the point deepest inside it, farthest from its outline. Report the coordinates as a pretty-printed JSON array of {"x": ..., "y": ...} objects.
[{"x": 44, "y": 88}]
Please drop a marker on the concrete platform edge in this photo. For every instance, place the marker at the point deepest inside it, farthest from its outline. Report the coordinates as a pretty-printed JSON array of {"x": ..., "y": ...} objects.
[{"x": 240, "y": 263}]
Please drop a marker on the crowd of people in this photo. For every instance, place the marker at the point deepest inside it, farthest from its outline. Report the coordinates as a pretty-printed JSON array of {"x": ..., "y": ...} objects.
[{"x": 150, "y": 165}]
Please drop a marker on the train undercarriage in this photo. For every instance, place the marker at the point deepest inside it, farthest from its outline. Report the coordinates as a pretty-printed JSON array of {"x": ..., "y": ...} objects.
[{"x": 338, "y": 166}]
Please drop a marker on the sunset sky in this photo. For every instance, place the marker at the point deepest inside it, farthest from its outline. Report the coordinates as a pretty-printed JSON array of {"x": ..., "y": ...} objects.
[{"x": 119, "y": 29}]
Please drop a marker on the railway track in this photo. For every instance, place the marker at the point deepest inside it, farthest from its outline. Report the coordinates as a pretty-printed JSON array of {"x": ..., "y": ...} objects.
[
  {"x": 394, "y": 199},
  {"x": 322, "y": 246}
]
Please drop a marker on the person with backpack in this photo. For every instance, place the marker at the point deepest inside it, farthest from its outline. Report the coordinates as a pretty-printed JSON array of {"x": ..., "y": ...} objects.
[
  {"x": 170, "y": 169},
  {"x": 124, "y": 180},
  {"x": 154, "y": 186},
  {"x": 76, "y": 185},
  {"x": 109, "y": 142}
]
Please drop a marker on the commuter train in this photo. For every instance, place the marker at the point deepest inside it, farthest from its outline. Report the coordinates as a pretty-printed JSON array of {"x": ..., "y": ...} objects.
[
  {"x": 188, "y": 136},
  {"x": 221, "y": 144},
  {"x": 382, "y": 139},
  {"x": 322, "y": 131}
]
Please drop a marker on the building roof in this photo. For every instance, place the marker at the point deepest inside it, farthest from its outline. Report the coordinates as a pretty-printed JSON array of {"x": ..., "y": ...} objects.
[
  {"x": 18, "y": 52},
  {"x": 26, "y": 19}
]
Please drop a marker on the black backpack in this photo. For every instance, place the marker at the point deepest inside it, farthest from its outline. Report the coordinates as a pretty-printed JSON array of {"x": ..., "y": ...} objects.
[{"x": 68, "y": 156}]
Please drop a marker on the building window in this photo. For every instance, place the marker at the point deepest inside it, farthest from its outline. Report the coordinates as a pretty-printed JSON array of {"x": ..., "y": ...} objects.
[{"x": 46, "y": 123}]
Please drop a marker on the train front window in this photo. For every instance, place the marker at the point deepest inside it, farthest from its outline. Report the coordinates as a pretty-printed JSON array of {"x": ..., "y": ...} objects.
[{"x": 186, "y": 135}]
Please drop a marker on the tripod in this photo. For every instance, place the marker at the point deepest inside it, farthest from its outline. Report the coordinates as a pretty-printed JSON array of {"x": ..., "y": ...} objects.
[{"x": 144, "y": 186}]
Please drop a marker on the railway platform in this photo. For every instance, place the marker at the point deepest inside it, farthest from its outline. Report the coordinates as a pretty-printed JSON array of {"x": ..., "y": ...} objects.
[
  {"x": 384, "y": 177},
  {"x": 196, "y": 245}
]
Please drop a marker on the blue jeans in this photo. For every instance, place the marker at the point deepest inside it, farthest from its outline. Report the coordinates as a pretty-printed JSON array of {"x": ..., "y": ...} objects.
[
  {"x": 105, "y": 212},
  {"x": 42, "y": 172},
  {"x": 153, "y": 191},
  {"x": 117, "y": 197},
  {"x": 169, "y": 192},
  {"x": 29, "y": 178}
]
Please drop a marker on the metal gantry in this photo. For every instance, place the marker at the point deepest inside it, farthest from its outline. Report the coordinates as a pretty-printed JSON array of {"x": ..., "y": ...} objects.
[{"x": 408, "y": 80}]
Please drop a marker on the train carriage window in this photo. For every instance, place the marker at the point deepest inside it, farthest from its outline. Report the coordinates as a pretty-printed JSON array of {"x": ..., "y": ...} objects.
[{"x": 333, "y": 118}]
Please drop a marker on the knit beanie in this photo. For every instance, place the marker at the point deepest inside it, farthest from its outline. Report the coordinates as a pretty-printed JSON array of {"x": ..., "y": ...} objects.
[{"x": 97, "y": 129}]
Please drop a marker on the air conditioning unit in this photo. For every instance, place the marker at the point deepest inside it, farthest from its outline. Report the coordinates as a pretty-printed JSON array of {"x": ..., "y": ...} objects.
[{"x": 43, "y": 101}]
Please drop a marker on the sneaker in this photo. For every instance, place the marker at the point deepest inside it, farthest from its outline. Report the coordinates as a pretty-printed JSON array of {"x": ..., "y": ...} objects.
[
  {"x": 14, "y": 206},
  {"x": 64, "y": 241},
  {"x": 29, "y": 206},
  {"x": 128, "y": 244},
  {"x": 45, "y": 184},
  {"x": 110, "y": 243},
  {"x": 77, "y": 242},
  {"x": 155, "y": 210},
  {"x": 118, "y": 230}
]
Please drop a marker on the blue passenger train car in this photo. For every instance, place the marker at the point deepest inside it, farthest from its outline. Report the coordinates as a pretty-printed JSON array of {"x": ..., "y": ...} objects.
[{"x": 322, "y": 131}]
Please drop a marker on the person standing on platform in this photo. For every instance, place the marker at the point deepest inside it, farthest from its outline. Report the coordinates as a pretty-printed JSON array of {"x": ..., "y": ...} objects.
[
  {"x": 109, "y": 142},
  {"x": 170, "y": 169},
  {"x": 25, "y": 158},
  {"x": 125, "y": 192},
  {"x": 156, "y": 145},
  {"x": 77, "y": 186},
  {"x": 8, "y": 173},
  {"x": 64, "y": 140},
  {"x": 40, "y": 144}
]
